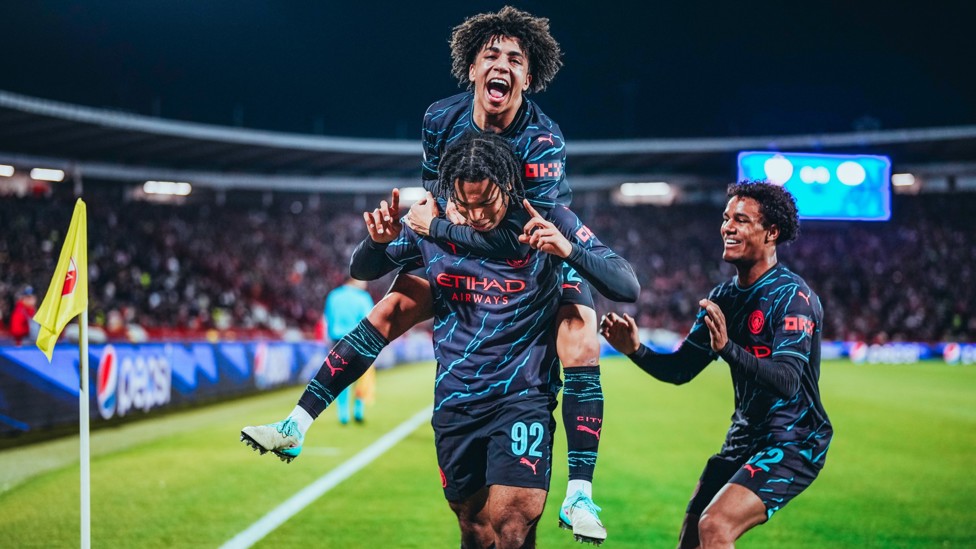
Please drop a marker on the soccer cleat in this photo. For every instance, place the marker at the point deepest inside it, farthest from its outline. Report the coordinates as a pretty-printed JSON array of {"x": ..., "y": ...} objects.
[
  {"x": 579, "y": 514},
  {"x": 282, "y": 439}
]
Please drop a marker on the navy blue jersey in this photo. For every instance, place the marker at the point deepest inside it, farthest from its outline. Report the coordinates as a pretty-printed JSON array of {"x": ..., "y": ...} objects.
[
  {"x": 778, "y": 316},
  {"x": 536, "y": 140},
  {"x": 494, "y": 320}
]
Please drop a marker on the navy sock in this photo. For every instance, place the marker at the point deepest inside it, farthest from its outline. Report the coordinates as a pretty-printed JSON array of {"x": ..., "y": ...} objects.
[
  {"x": 583, "y": 419},
  {"x": 345, "y": 363}
]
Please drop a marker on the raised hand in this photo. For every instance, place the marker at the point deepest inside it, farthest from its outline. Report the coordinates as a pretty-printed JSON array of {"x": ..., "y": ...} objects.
[
  {"x": 620, "y": 332},
  {"x": 542, "y": 235},
  {"x": 715, "y": 321},
  {"x": 383, "y": 223}
]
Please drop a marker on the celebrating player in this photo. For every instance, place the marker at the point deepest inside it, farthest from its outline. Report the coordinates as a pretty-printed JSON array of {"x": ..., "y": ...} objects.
[
  {"x": 500, "y": 56},
  {"x": 497, "y": 369},
  {"x": 765, "y": 323}
]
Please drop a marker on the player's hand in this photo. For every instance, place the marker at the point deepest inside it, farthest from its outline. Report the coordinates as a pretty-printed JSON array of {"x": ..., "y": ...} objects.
[
  {"x": 715, "y": 321},
  {"x": 453, "y": 215},
  {"x": 620, "y": 332},
  {"x": 542, "y": 235},
  {"x": 383, "y": 223},
  {"x": 421, "y": 214}
]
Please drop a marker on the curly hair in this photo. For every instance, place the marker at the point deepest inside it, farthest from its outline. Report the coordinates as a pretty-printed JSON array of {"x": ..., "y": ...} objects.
[
  {"x": 776, "y": 205},
  {"x": 479, "y": 156},
  {"x": 532, "y": 33}
]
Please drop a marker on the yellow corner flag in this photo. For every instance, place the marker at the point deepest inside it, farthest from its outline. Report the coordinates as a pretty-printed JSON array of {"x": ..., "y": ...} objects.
[{"x": 67, "y": 296}]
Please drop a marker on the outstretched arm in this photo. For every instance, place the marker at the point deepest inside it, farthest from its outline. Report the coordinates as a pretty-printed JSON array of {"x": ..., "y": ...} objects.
[
  {"x": 679, "y": 367},
  {"x": 609, "y": 273}
]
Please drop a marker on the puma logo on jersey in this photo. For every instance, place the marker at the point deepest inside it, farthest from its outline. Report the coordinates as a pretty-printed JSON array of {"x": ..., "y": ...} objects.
[{"x": 804, "y": 296}]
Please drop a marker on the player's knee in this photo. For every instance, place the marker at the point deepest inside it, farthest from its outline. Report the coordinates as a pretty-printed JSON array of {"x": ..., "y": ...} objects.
[
  {"x": 510, "y": 532},
  {"x": 396, "y": 313},
  {"x": 714, "y": 528},
  {"x": 475, "y": 532},
  {"x": 577, "y": 342},
  {"x": 578, "y": 347}
]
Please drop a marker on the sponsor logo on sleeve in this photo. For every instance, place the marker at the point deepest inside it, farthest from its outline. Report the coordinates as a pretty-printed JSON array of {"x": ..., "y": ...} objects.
[
  {"x": 799, "y": 323},
  {"x": 543, "y": 170}
]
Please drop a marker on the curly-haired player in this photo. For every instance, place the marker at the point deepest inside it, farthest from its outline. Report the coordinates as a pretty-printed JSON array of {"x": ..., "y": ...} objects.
[
  {"x": 765, "y": 323},
  {"x": 500, "y": 56}
]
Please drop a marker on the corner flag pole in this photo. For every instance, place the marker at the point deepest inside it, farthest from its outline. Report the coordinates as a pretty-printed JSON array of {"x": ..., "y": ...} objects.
[
  {"x": 83, "y": 405},
  {"x": 67, "y": 297}
]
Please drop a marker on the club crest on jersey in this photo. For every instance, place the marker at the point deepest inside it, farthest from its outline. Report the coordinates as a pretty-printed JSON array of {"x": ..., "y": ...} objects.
[
  {"x": 518, "y": 263},
  {"x": 756, "y": 321}
]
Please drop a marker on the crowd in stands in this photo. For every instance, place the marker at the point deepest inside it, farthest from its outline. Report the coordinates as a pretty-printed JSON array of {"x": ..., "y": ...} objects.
[{"x": 198, "y": 268}]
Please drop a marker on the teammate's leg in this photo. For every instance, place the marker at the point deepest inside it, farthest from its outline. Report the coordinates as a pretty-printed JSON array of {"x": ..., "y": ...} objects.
[
  {"x": 514, "y": 514},
  {"x": 578, "y": 346},
  {"x": 732, "y": 513},
  {"x": 406, "y": 303},
  {"x": 763, "y": 485},
  {"x": 715, "y": 475},
  {"x": 579, "y": 352}
]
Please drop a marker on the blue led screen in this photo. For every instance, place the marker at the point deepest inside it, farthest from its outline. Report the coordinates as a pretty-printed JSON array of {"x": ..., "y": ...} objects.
[{"x": 826, "y": 186}]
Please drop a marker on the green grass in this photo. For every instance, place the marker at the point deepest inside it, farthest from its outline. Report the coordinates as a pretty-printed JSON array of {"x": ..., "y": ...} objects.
[{"x": 898, "y": 473}]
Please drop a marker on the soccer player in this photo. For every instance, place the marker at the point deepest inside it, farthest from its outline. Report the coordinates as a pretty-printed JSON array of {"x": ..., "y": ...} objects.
[
  {"x": 345, "y": 306},
  {"x": 500, "y": 57},
  {"x": 765, "y": 323},
  {"x": 494, "y": 390},
  {"x": 497, "y": 369}
]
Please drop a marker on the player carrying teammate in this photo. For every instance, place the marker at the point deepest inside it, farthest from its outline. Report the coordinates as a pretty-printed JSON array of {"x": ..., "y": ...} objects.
[
  {"x": 497, "y": 369},
  {"x": 500, "y": 56}
]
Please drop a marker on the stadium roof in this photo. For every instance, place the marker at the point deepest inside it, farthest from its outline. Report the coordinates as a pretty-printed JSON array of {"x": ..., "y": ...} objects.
[{"x": 114, "y": 145}]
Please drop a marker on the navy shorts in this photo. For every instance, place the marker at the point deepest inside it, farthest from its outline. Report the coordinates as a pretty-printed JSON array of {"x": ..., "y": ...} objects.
[
  {"x": 776, "y": 474},
  {"x": 506, "y": 442}
]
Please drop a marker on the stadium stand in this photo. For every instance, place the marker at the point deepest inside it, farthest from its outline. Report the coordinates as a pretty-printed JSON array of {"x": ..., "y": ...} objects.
[
  {"x": 272, "y": 217},
  {"x": 179, "y": 271}
]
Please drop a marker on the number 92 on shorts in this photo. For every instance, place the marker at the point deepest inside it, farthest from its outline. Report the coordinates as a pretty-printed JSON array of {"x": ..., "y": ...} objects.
[{"x": 507, "y": 441}]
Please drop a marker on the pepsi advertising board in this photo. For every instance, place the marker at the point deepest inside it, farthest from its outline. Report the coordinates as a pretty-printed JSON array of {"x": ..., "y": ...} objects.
[
  {"x": 134, "y": 380},
  {"x": 826, "y": 186}
]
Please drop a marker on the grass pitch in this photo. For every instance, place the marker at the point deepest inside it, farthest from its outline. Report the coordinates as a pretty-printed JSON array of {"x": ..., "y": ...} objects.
[{"x": 898, "y": 473}]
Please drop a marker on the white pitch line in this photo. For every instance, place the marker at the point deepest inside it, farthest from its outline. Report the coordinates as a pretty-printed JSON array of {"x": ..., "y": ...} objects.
[{"x": 330, "y": 480}]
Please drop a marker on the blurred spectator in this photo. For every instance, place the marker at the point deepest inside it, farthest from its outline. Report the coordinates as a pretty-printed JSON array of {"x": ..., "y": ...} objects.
[
  {"x": 184, "y": 270},
  {"x": 22, "y": 317}
]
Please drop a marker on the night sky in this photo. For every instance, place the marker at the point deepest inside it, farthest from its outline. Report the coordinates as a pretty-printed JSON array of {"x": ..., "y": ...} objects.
[{"x": 632, "y": 69}]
